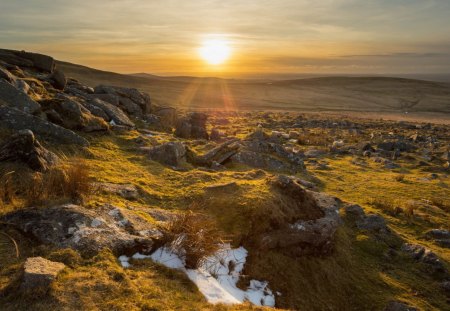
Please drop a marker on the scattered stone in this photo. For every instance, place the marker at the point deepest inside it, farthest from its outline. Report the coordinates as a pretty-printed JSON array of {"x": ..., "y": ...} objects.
[
  {"x": 426, "y": 256},
  {"x": 354, "y": 210},
  {"x": 24, "y": 147},
  {"x": 38, "y": 275},
  {"x": 172, "y": 153}
]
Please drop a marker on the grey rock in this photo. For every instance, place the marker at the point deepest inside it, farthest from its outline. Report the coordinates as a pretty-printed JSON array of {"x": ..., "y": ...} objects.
[
  {"x": 15, "y": 119},
  {"x": 167, "y": 115},
  {"x": 354, "y": 210},
  {"x": 6, "y": 75},
  {"x": 85, "y": 230},
  {"x": 426, "y": 256},
  {"x": 172, "y": 153},
  {"x": 13, "y": 97},
  {"x": 114, "y": 114},
  {"x": 192, "y": 126},
  {"x": 38, "y": 275},
  {"x": 373, "y": 223},
  {"x": 139, "y": 98},
  {"x": 58, "y": 79},
  {"x": 25, "y": 148},
  {"x": 219, "y": 154}
]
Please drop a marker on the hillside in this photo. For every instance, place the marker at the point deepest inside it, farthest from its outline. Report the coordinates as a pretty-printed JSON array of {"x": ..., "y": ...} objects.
[{"x": 358, "y": 94}]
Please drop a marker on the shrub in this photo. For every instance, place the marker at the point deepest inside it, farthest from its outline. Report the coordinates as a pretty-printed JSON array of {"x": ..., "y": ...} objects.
[{"x": 193, "y": 236}]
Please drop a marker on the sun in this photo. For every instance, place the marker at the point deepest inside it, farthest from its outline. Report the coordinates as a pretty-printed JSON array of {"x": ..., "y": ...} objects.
[{"x": 215, "y": 52}]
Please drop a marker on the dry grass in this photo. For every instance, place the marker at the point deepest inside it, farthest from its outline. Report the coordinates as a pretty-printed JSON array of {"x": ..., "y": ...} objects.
[
  {"x": 196, "y": 236},
  {"x": 399, "y": 177},
  {"x": 7, "y": 193}
]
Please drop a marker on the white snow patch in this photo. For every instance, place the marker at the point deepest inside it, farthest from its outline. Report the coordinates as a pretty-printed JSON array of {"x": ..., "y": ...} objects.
[{"x": 217, "y": 277}]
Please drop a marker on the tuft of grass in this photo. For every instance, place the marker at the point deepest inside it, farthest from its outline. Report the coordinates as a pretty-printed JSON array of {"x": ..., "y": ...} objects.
[
  {"x": 399, "y": 177},
  {"x": 196, "y": 236}
]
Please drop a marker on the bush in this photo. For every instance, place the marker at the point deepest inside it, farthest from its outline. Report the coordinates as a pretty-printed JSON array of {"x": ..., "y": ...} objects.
[{"x": 193, "y": 236}]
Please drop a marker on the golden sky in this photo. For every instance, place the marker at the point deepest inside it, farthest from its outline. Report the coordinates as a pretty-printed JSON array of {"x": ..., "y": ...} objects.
[{"x": 276, "y": 36}]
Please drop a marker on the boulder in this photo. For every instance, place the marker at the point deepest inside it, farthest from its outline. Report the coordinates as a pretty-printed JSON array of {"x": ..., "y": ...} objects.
[
  {"x": 40, "y": 61},
  {"x": 219, "y": 154},
  {"x": 426, "y": 256},
  {"x": 73, "y": 115},
  {"x": 114, "y": 114},
  {"x": 402, "y": 146},
  {"x": 172, "y": 153},
  {"x": 24, "y": 147},
  {"x": 192, "y": 126},
  {"x": 15, "y": 119},
  {"x": 167, "y": 116},
  {"x": 125, "y": 95},
  {"x": 38, "y": 275},
  {"x": 85, "y": 230},
  {"x": 10, "y": 57},
  {"x": 373, "y": 223},
  {"x": 58, "y": 79},
  {"x": 17, "y": 99}
]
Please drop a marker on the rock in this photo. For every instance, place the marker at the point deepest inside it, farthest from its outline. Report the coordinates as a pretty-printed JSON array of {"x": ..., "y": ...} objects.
[
  {"x": 354, "y": 210},
  {"x": 365, "y": 146},
  {"x": 314, "y": 153},
  {"x": 216, "y": 134},
  {"x": 192, "y": 126},
  {"x": 126, "y": 191},
  {"x": 172, "y": 153},
  {"x": 113, "y": 113},
  {"x": 109, "y": 98},
  {"x": 6, "y": 75},
  {"x": 38, "y": 275},
  {"x": 15, "y": 98},
  {"x": 219, "y": 154},
  {"x": 399, "y": 306},
  {"x": 167, "y": 116},
  {"x": 58, "y": 79},
  {"x": 15, "y": 119},
  {"x": 441, "y": 237},
  {"x": 85, "y": 230},
  {"x": 125, "y": 95},
  {"x": 25, "y": 148},
  {"x": 402, "y": 146},
  {"x": 73, "y": 115},
  {"x": 446, "y": 287},
  {"x": 27, "y": 59},
  {"x": 426, "y": 256},
  {"x": 373, "y": 223}
]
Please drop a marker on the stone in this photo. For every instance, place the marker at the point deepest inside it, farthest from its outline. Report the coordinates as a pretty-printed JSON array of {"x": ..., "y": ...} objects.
[
  {"x": 142, "y": 100},
  {"x": 24, "y": 147},
  {"x": 421, "y": 254},
  {"x": 58, "y": 79},
  {"x": 15, "y": 119},
  {"x": 216, "y": 134},
  {"x": 314, "y": 153},
  {"x": 15, "y": 98},
  {"x": 113, "y": 113},
  {"x": 354, "y": 210},
  {"x": 219, "y": 154},
  {"x": 28, "y": 59},
  {"x": 171, "y": 153},
  {"x": 192, "y": 126},
  {"x": 399, "y": 306},
  {"x": 126, "y": 191},
  {"x": 373, "y": 223},
  {"x": 38, "y": 275},
  {"x": 167, "y": 116},
  {"x": 74, "y": 116},
  {"x": 402, "y": 146},
  {"x": 6, "y": 75},
  {"x": 85, "y": 230}
]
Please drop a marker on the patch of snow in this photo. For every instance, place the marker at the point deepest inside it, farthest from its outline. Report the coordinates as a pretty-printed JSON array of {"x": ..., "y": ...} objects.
[{"x": 217, "y": 276}]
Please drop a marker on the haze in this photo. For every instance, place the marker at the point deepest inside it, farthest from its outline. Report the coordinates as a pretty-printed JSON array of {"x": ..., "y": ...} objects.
[{"x": 266, "y": 37}]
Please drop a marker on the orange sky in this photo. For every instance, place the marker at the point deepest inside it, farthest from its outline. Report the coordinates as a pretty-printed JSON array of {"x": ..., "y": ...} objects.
[{"x": 284, "y": 36}]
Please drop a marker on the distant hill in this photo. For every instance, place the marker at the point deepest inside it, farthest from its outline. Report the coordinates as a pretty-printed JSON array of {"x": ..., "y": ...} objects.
[{"x": 359, "y": 94}]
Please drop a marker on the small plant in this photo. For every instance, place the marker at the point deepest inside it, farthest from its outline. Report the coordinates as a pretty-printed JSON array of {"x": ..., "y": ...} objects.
[{"x": 194, "y": 236}]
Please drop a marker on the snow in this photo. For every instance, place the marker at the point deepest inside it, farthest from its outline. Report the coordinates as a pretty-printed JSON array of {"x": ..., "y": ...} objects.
[{"x": 217, "y": 276}]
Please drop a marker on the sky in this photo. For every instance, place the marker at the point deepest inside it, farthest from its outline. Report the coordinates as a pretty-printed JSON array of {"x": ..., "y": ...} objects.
[{"x": 277, "y": 36}]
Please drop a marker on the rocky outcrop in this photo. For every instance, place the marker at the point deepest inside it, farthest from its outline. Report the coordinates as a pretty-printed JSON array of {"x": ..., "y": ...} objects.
[
  {"x": 192, "y": 126},
  {"x": 15, "y": 119},
  {"x": 58, "y": 79},
  {"x": 67, "y": 112},
  {"x": 27, "y": 59},
  {"x": 219, "y": 154},
  {"x": 172, "y": 153},
  {"x": 87, "y": 231},
  {"x": 38, "y": 275},
  {"x": 24, "y": 147},
  {"x": 15, "y": 98},
  {"x": 130, "y": 100}
]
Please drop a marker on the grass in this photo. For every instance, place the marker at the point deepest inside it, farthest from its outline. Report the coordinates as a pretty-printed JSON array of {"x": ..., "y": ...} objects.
[{"x": 358, "y": 276}]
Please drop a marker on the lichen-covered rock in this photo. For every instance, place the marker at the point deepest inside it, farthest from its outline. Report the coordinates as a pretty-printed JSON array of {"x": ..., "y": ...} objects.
[
  {"x": 15, "y": 119},
  {"x": 87, "y": 231},
  {"x": 17, "y": 99},
  {"x": 38, "y": 275},
  {"x": 113, "y": 113},
  {"x": 25, "y": 148}
]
